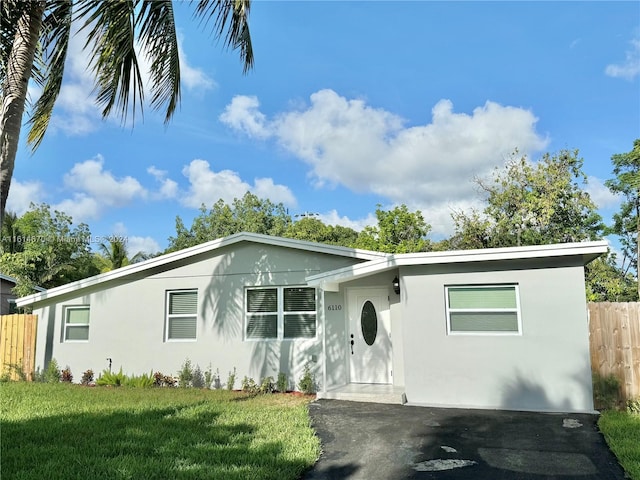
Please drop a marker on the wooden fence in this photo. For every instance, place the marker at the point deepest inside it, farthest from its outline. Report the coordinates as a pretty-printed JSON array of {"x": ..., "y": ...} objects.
[
  {"x": 18, "y": 344},
  {"x": 615, "y": 343}
]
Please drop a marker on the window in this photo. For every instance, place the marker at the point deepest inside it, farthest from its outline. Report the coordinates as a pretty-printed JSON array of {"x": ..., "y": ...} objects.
[
  {"x": 182, "y": 314},
  {"x": 76, "y": 324},
  {"x": 483, "y": 309},
  {"x": 280, "y": 313}
]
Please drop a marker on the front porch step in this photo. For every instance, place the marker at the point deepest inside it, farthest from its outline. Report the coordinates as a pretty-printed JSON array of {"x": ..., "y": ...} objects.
[{"x": 362, "y": 392}]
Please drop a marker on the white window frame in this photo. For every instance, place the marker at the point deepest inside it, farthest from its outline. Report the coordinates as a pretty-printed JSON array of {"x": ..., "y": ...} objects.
[
  {"x": 515, "y": 310},
  {"x": 280, "y": 313},
  {"x": 169, "y": 316},
  {"x": 66, "y": 324}
]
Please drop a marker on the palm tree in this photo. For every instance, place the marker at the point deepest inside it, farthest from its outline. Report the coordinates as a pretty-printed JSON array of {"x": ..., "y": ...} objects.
[
  {"x": 113, "y": 254},
  {"x": 34, "y": 37}
]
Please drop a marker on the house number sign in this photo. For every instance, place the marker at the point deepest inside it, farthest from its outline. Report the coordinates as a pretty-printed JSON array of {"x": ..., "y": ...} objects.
[{"x": 333, "y": 308}]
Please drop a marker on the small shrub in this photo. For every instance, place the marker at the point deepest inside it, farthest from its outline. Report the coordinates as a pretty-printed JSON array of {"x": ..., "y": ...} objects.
[
  {"x": 5, "y": 377},
  {"x": 111, "y": 379},
  {"x": 283, "y": 383},
  {"x": 197, "y": 380},
  {"x": 39, "y": 376},
  {"x": 140, "y": 381},
  {"x": 66, "y": 375},
  {"x": 217, "y": 384},
  {"x": 18, "y": 370},
  {"x": 606, "y": 392},
  {"x": 231, "y": 379},
  {"x": 633, "y": 406},
  {"x": 307, "y": 384},
  {"x": 158, "y": 379},
  {"x": 267, "y": 385},
  {"x": 52, "y": 373},
  {"x": 185, "y": 375},
  {"x": 87, "y": 377},
  {"x": 169, "y": 381},
  {"x": 208, "y": 377},
  {"x": 249, "y": 385}
]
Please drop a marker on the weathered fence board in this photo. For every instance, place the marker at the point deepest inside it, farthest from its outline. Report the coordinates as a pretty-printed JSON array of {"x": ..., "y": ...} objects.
[
  {"x": 615, "y": 343},
  {"x": 18, "y": 344}
]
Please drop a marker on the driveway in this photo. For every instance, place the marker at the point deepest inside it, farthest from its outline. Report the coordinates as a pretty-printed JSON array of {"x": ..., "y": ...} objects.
[{"x": 373, "y": 441}]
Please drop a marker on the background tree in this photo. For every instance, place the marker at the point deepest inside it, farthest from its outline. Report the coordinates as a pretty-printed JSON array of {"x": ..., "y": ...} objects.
[
  {"x": 113, "y": 254},
  {"x": 52, "y": 251},
  {"x": 34, "y": 40},
  {"x": 246, "y": 214},
  {"x": 626, "y": 223},
  {"x": 398, "y": 231},
  {"x": 531, "y": 204},
  {"x": 314, "y": 230}
]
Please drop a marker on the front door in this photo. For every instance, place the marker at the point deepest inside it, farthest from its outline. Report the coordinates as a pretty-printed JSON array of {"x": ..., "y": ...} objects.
[{"x": 369, "y": 335}]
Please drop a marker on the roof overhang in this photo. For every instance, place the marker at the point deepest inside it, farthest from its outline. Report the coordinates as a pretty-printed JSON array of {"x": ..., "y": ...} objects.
[{"x": 584, "y": 252}]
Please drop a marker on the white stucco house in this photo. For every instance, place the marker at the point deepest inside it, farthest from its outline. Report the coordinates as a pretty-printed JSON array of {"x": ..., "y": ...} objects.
[{"x": 496, "y": 328}]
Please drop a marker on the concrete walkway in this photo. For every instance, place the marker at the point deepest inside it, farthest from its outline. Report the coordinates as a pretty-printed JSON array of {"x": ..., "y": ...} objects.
[{"x": 371, "y": 441}]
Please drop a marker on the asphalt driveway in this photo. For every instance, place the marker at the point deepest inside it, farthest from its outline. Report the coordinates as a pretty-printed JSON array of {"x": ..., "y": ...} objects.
[{"x": 372, "y": 441}]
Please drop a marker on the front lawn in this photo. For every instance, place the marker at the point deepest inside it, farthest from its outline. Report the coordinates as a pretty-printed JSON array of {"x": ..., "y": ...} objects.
[
  {"x": 622, "y": 432},
  {"x": 71, "y": 432}
]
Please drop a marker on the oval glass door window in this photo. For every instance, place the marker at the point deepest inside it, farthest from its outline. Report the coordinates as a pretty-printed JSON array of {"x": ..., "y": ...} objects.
[{"x": 369, "y": 322}]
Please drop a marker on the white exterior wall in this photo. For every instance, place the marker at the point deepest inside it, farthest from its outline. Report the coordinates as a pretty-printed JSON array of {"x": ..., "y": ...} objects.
[
  {"x": 128, "y": 321},
  {"x": 546, "y": 368}
]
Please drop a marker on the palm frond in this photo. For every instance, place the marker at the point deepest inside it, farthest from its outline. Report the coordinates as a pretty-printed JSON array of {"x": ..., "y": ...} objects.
[
  {"x": 111, "y": 38},
  {"x": 49, "y": 66},
  {"x": 236, "y": 35},
  {"x": 160, "y": 43}
]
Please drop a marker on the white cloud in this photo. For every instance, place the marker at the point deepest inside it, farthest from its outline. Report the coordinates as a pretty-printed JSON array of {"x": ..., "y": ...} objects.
[
  {"x": 168, "y": 187},
  {"x": 22, "y": 194},
  {"x": 366, "y": 149},
  {"x": 90, "y": 178},
  {"x": 191, "y": 77},
  {"x": 242, "y": 114},
  {"x": 600, "y": 194},
  {"x": 333, "y": 218},
  {"x": 207, "y": 187},
  {"x": 630, "y": 68},
  {"x": 81, "y": 207}
]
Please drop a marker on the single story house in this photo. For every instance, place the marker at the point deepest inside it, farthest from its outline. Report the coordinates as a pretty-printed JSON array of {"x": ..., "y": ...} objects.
[
  {"x": 7, "y": 297},
  {"x": 502, "y": 328}
]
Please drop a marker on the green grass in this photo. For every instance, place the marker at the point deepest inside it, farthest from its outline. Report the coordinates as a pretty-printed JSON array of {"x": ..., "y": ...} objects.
[
  {"x": 72, "y": 432},
  {"x": 622, "y": 432}
]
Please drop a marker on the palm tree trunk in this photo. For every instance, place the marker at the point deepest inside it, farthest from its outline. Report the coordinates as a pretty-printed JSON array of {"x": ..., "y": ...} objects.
[{"x": 19, "y": 66}]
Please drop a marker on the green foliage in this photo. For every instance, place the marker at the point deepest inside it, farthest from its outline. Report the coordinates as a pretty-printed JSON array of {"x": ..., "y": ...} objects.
[
  {"x": 633, "y": 406},
  {"x": 312, "y": 229},
  {"x": 231, "y": 379},
  {"x": 621, "y": 430},
  {"x": 606, "y": 392},
  {"x": 39, "y": 376},
  {"x": 606, "y": 282},
  {"x": 531, "y": 203},
  {"x": 626, "y": 222},
  {"x": 11, "y": 369},
  {"x": 307, "y": 383},
  {"x": 113, "y": 254},
  {"x": 52, "y": 373},
  {"x": 48, "y": 250},
  {"x": 111, "y": 379},
  {"x": 5, "y": 377},
  {"x": 249, "y": 386},
  {"x": 267, "y": 385},
  {"x": 185, "y": 375},
  {"x": 283, "y": 382},
  {"x": 87, "y": 377},
  {"x": 198, "y": 381},
  {"x": 66, "y": 375},
  {"x": 140, "y": 381},
  {"x": 246, "y": 214},
  {"x": 398, "y": 231}
]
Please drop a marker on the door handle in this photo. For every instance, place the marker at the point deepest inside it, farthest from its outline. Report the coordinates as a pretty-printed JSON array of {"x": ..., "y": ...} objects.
[{"x": 352, "y": 342}]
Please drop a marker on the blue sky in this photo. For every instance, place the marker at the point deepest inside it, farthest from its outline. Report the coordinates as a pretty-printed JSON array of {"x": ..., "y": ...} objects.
[{"x": 350, "y": 105}]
